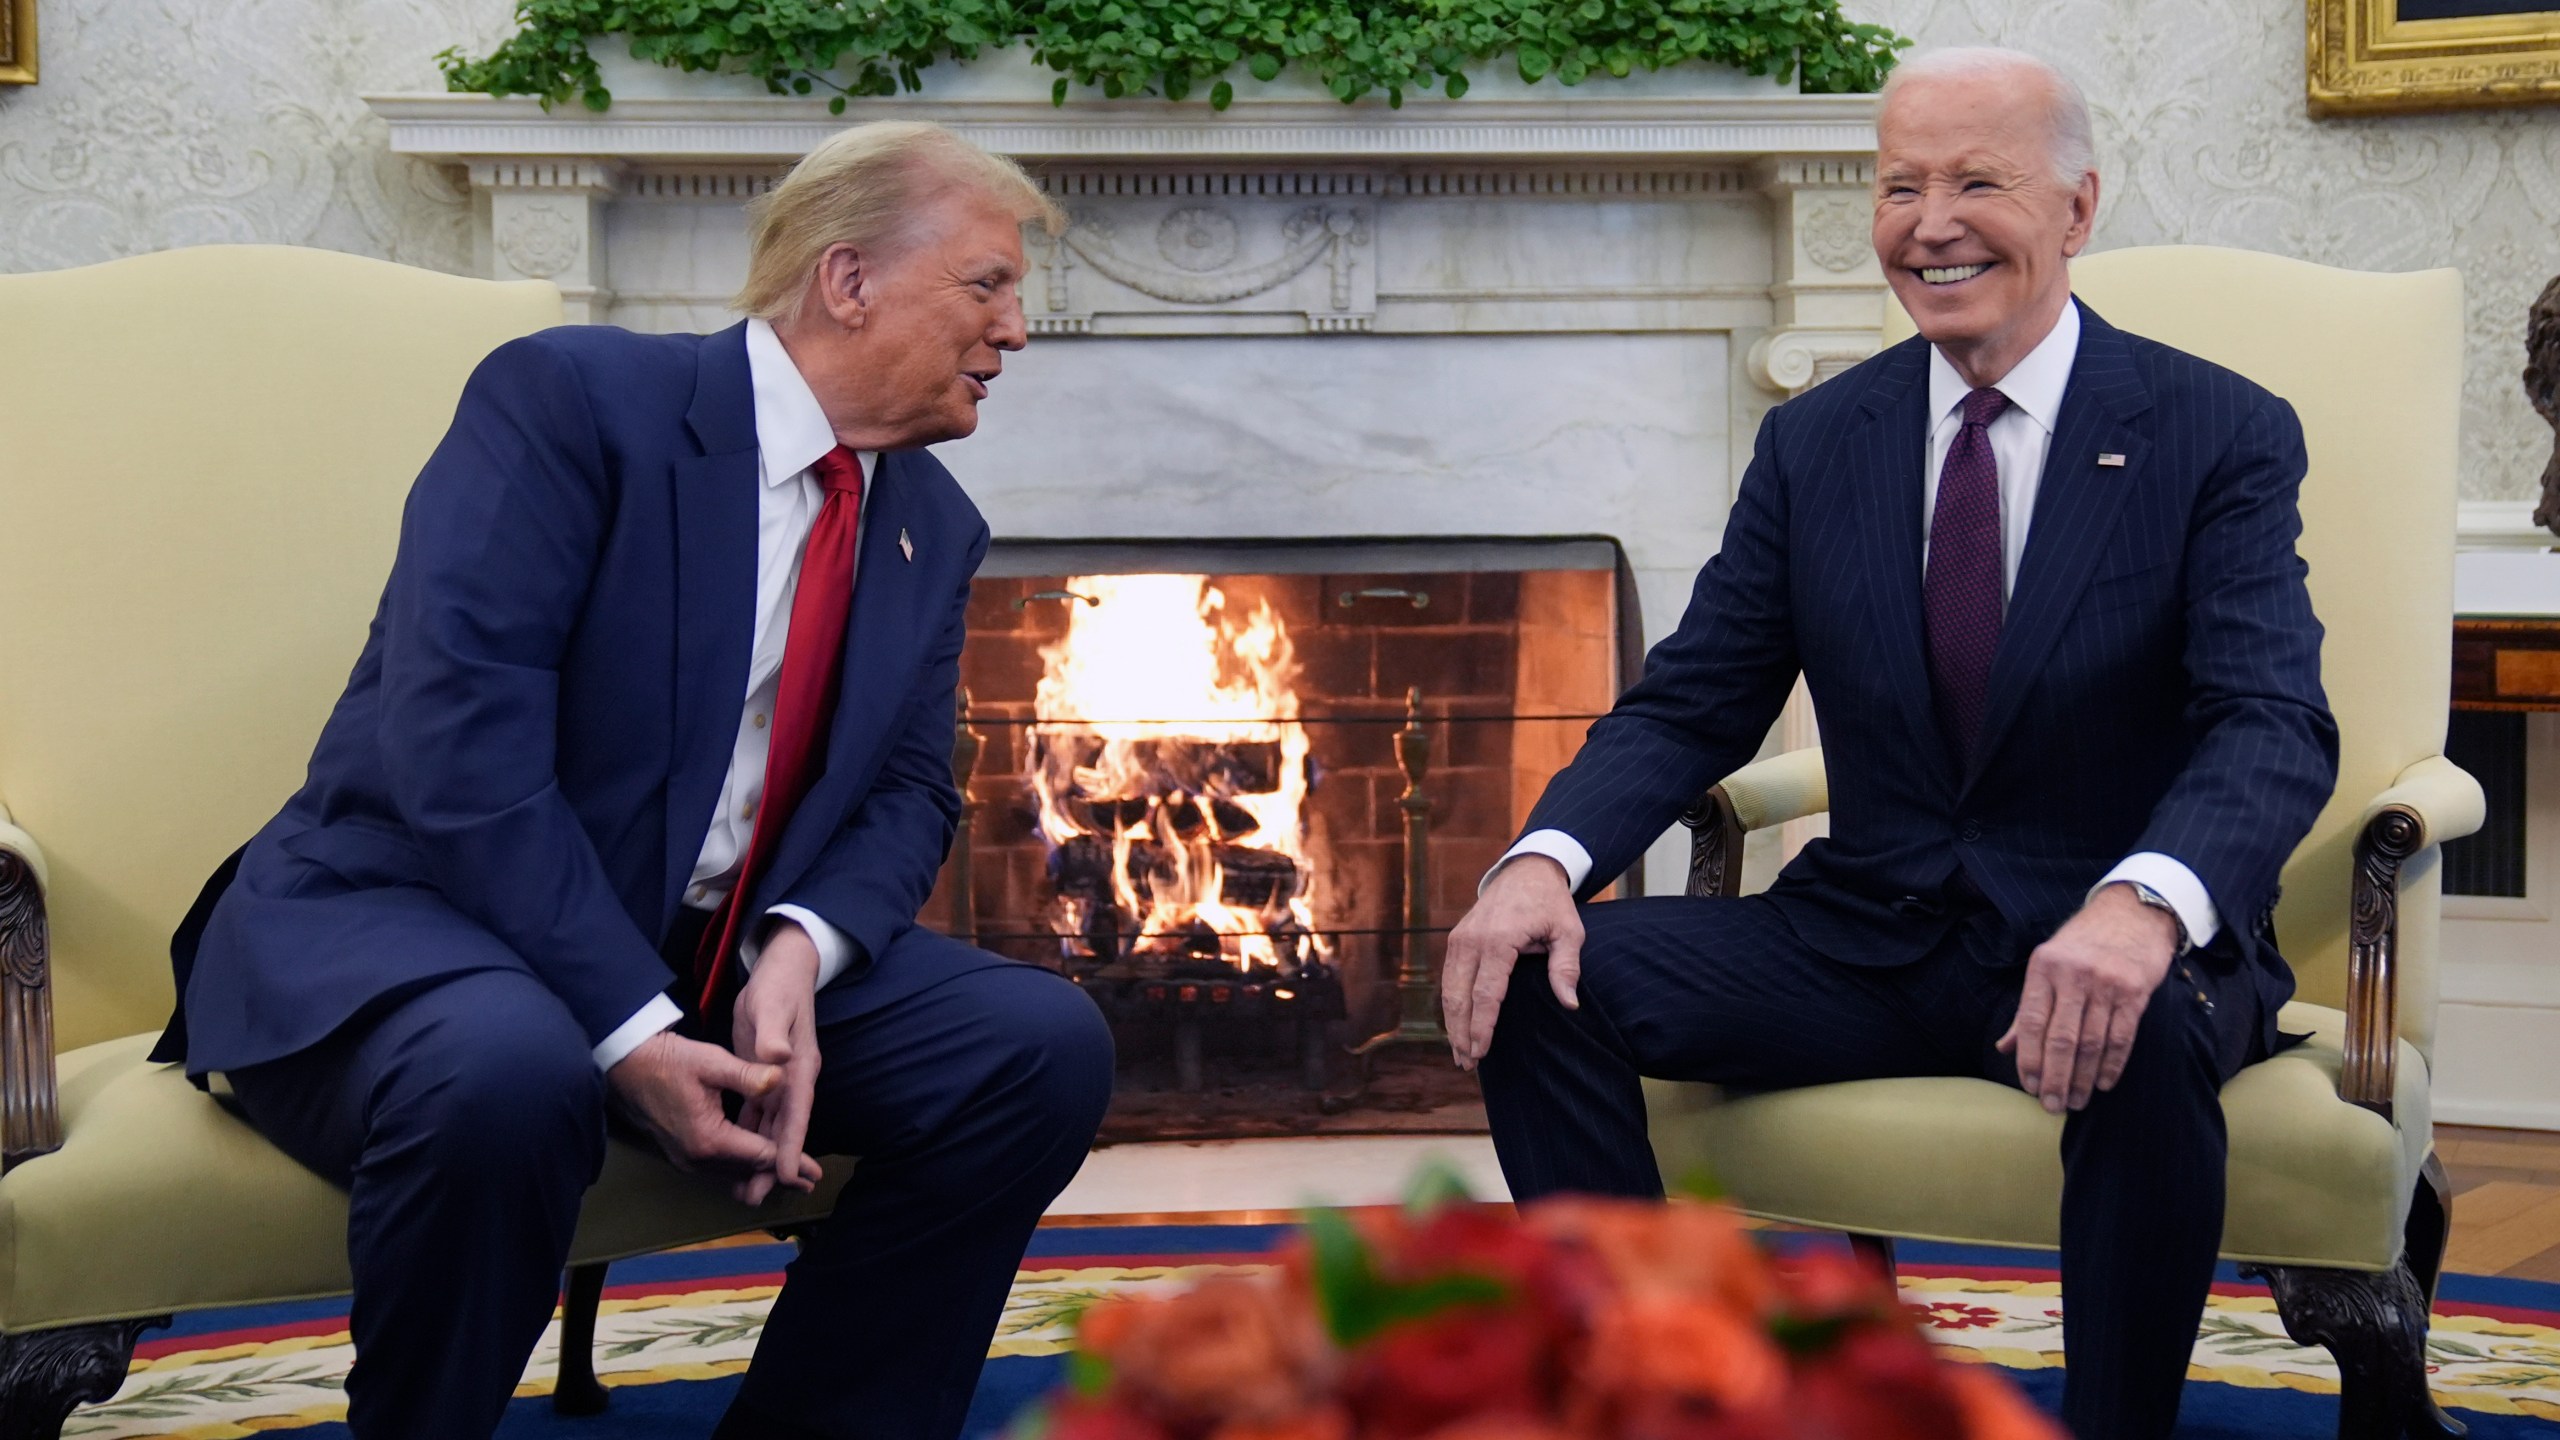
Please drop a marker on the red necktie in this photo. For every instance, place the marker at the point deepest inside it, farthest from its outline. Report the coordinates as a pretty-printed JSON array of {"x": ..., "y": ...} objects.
[
  {"x": 1960, "y": 598},
  {"x": 804, "y": 703}
]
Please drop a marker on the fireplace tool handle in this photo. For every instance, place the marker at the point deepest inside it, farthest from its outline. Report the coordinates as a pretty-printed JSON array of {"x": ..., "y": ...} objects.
[
  {"x": 1421, "y": 598},
  {"x": 1417, "y": 983},
  {"x": 965, "y": 745},
  {"x": 1024, "y": 603}
]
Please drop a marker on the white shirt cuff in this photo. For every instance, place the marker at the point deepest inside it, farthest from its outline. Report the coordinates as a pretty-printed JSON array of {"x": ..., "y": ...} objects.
[
  {"x": 2176, "y": 884},
  {"x": 1555, "y": 845},
  {"x": 653, "y": 1017},
  {"x": 835, "y": 951}
]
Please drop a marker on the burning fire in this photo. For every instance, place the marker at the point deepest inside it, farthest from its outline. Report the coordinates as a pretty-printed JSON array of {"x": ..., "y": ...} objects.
[{"x": 1171, "y": 778}]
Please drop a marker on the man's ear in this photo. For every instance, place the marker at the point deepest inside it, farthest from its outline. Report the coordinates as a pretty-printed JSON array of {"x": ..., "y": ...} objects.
[
  {"x": 842, "y": 285},
  {"x": 2084, "y": 214}
]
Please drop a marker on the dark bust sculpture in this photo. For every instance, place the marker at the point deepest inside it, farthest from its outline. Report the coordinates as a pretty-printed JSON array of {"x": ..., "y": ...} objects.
[{"x": 2542, "y": 386}]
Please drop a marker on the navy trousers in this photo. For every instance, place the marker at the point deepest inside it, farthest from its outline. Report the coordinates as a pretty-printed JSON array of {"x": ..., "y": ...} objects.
[
  {"x": 467, "y": 1121},
  {"x": 1723, "y": 991}
]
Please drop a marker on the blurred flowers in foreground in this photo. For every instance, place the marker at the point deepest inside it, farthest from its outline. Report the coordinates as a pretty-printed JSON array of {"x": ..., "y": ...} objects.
[{"x": 1582, "y": 1319}]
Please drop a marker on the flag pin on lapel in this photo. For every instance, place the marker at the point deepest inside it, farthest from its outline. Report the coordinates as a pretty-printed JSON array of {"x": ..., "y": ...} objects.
[
  {"x": 2109, "y": 457},
  {"x": 907, "y": 547}
]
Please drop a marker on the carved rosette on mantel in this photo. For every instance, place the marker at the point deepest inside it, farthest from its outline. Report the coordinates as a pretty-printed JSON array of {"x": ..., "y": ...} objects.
[
  {"x": 1826, "y": 298},
  {"x": 542, "y": 218},
  {"x": 1705, "y": 202}
]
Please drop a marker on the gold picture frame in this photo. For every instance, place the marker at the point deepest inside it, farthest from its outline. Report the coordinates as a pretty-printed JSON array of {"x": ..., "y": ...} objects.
[
  {"x": 2447, "y": 54},
  {"x": 17, "y": 42}
]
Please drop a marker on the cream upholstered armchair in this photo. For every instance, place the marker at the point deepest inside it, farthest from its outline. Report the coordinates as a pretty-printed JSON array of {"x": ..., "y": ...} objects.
[
  {"x": 2335, "y": 1193},
  {"x": 206, "y": 457}
]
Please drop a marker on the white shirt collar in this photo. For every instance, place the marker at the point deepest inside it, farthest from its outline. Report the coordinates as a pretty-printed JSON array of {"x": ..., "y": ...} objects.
[
  {"x": 2033, "y": 385},
  {"x": 791, "y": 431}
]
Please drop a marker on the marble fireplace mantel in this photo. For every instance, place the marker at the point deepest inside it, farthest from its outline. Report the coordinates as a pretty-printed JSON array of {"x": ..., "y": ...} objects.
[{"x": 549, "y": 186}]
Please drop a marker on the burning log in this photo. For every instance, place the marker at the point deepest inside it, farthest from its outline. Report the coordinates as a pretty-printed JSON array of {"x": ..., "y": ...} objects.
[
  {"x": 1257, "y": 879},
  {"x": 1178, "y": 843},
  {"x": 1081, "y": 869}
]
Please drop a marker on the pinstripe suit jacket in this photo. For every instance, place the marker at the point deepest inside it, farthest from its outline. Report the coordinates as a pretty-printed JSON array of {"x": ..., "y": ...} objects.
[{"x": 2157, "y": 685}]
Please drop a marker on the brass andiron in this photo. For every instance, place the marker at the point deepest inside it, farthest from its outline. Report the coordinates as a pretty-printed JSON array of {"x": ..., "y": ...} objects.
[
  {"x": 1417, "y": 984},
  {"x": 965, "y": 745}
]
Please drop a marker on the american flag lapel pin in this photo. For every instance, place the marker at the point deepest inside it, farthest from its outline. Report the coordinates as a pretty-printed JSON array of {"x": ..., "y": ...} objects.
[
  {"x": 907, "y": 547},
  {"x": 2109, "y": 457}
]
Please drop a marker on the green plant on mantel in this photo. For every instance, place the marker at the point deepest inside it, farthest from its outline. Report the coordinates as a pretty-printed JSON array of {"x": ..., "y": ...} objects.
[{"x": 1174, "y": 47}]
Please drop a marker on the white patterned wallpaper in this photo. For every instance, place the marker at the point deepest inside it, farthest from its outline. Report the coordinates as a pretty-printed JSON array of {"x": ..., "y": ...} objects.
[
  {"x": 174, "y": 122},
  {"x": 183, "y": 122}
]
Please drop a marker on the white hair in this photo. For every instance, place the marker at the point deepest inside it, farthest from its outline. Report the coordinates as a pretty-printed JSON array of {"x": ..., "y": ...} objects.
[{"x": 2069, "y": 138}]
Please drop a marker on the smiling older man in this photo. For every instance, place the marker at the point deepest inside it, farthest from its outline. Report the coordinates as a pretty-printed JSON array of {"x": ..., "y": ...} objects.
[
  {"x": 632, "y": 799},
  {"x": 2039, "y": 576}
]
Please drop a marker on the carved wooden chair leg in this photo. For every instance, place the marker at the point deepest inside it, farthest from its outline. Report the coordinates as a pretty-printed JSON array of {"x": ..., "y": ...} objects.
[
  {"x": 45, "y": 1373},
  {"x": 2430, "y": 1226},
  {"x": 2430, "y": 1230},
  {"x": 2376, "y": 1328},
  {"x": 577, "y": 1392},
  {"x": 1876, "y": 1251}
]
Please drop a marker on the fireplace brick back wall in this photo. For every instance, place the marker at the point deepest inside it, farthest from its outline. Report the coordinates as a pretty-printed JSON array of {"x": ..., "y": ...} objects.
[{"x": 1485, "y": 644}]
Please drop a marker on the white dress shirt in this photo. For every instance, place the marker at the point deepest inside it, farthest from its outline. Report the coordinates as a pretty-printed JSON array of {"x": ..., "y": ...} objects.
[
  {"x": 791, "y": 434},
  {"x": 2019, "y": 437}
]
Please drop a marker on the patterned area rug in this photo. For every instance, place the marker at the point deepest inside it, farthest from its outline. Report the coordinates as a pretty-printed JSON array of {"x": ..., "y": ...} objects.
[{"x": 678, "y": 1328}]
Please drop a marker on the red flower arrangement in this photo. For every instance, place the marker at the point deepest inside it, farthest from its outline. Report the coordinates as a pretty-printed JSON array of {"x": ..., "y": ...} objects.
[{"x": 1582, "y": 1319}]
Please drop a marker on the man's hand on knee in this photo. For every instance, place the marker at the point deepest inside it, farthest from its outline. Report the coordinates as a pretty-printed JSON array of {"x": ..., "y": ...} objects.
[
  {"x": 776, "y": 1024},
  {"x": 1526, "y": 907},
  {"x": 673, "y": 1086},
  {"x": 2085, "y": 992}
]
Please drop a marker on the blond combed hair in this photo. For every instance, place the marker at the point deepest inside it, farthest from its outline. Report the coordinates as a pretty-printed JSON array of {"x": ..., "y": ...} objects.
[{"x": 868, "y": 186}]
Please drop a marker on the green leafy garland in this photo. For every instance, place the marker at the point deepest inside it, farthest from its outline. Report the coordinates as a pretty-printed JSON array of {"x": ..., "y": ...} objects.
[{"x": 1171, "y": 47}]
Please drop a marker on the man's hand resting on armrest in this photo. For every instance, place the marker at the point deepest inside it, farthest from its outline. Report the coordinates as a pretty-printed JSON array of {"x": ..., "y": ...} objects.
[
  {"x": 1526, "y": 907},
  {"x": 777, "y": 1025}
]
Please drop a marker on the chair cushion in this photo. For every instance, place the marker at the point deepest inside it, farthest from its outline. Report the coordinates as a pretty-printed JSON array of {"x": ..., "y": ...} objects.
[
  {"x": 2313, "y": 1180},
  {"x": 161, "y": 1200}
]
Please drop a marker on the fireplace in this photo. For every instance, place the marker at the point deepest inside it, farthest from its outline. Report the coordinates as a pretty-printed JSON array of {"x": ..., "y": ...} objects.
[{"x": 1204, "y": 776}]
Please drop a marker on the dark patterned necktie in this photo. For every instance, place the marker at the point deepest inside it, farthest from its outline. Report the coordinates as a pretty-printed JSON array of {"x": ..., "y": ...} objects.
[{"x": 1960, "y": 597}]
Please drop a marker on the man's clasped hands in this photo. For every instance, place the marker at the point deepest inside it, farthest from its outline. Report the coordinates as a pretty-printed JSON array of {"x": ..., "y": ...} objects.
[{"x": 673, "y": 1086}]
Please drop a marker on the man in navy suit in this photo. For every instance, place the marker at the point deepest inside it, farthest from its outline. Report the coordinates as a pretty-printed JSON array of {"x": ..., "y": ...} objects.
[
  {"x": 2039, "y": 577},
  {"x": 629, "y": 806}
]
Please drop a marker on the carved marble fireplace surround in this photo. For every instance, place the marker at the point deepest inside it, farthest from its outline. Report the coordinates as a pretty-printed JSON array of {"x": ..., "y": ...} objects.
[{"x": 1532, "y": 312}]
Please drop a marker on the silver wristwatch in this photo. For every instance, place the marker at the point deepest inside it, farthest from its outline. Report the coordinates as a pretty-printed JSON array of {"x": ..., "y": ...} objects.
[{"x": 2160, "y": 902}]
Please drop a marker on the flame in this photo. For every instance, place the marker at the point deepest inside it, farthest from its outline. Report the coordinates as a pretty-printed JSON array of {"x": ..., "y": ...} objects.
[{"x": 1165, "y": 731}]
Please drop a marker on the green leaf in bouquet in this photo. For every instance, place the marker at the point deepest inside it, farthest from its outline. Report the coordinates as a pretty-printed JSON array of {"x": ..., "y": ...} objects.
[
  {"x": 1436, "y": 1186},
  {"x": 1088, "y": 1374},
  {"x": 1358, "y": 1302},
  {"x": 1699, "y": 1182},
  {"x": 1800, "y": 1335}
]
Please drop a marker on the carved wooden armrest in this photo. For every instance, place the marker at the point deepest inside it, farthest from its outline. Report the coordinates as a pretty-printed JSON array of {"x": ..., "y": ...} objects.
[
  {"x": 30, "y": 1113},
  {"x": 1768, "y": 792},
  {"x": 2431, "y": 802}
]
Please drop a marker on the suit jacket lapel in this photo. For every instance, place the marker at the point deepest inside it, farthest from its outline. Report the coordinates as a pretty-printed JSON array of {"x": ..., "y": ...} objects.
[
  {"x": 880, "y": 637},
  {"x": 716, "y": 515},
  {"x": 2077, "y": 502},
  {"x": 1891, "y": 451}
]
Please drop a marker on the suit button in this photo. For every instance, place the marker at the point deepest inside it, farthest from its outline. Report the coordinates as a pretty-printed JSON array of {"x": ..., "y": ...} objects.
[
  {"x": 1912, "y": 907},
  {"x": 1970, "y": 832}
]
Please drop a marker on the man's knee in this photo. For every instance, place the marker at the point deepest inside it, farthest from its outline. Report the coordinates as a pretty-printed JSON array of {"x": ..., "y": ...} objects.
[
  {"x": 1529, "y": 1007},
  {"x": 1053, "y": 1045},
  {"x": 500, "y": 1087},
  {"x": 2174, "y": 1052}
]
